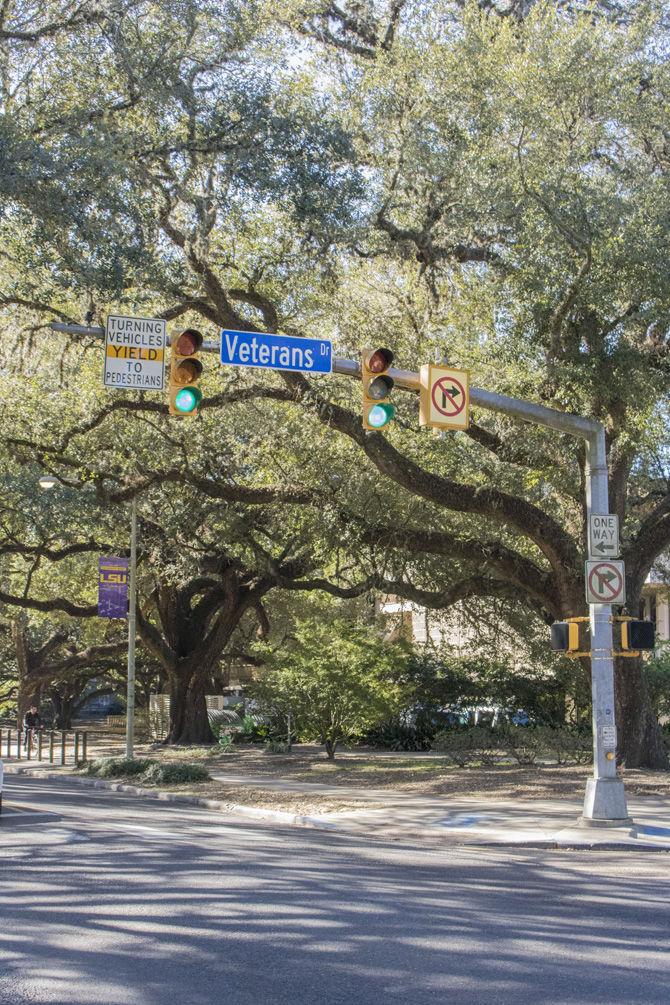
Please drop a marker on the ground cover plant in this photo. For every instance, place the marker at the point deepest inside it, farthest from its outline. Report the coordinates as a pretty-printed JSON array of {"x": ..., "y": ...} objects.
[{"x": 148, "y": 771}]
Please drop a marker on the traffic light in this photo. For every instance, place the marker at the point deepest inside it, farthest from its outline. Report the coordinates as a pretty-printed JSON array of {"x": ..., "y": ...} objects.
[
  {"x": 637, "y": 635},
  {"x": 377, "y": 385},
  {"x": 565, "y": 636},
  {"x": 185, "y": 373}
]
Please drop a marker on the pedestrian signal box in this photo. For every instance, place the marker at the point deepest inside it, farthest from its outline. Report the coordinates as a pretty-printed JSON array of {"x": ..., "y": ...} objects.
[
  {"x": 638, "y": 635},
  {"x": 565, "y": 636}
]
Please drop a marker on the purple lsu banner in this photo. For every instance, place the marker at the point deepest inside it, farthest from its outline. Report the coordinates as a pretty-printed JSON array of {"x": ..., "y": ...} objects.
[{"x": 113, "y": 588}]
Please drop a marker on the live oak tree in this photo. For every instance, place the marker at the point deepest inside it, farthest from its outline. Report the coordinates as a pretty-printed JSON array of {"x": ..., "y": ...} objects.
[
  {"x": 52, "y": 645},
  {"x": 214, "y": 567},
  {"x": 61, "y": 669},
  {"x": 210, "y": 554},
  {"x": 99, "y": 238},
  {"x": 492, "y": 189}
]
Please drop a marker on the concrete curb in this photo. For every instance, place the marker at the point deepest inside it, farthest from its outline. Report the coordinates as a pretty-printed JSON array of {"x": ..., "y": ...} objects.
[
  {"x": 299, "y": 820},
  {"x": 255, "y": 812}
]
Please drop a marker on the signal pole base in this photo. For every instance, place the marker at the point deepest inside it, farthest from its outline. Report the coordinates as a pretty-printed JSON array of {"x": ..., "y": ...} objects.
[{"x": 605, "y": 804}]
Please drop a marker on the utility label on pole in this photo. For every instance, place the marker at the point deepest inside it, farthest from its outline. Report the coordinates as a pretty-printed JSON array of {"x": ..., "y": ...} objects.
[
  {"x": 135, "y": 353},
  {"x": 445, "y": 397},
  {"x": 604, "y": 536},
  {"x": 605, "y": 582},
  {"x": 608, "y": 736},
  {"x": 276, "y": 352}
]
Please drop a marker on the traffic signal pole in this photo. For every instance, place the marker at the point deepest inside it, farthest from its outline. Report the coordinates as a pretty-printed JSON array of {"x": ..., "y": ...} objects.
[{"x": 605, "y": 799}]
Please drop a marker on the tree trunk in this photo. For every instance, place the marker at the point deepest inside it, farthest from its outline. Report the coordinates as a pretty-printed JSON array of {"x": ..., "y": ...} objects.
[
  {"x": 640, "y": 742},
  {"x": 189, "y": 722},
  {"x": 29, "y": 694},
  {"x": 62, "y": 706},
  {"x": 27, "y": 691}
]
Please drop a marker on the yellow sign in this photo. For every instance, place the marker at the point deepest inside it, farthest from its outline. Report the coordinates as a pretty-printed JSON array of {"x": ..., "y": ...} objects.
[
  {"x": 445, "y": 397},
  {"x": 134, "y": 352}
]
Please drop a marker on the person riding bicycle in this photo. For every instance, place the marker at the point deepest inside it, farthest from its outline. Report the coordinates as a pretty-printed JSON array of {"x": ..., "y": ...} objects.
[{"x": 32, "y": 722}]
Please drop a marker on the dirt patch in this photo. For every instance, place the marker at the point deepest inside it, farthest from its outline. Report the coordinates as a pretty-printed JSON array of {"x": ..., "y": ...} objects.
[
  {"x": 500, "y": 783},
  {"x": 433, "y": 776},
  {"x": 305, "y": 804}
]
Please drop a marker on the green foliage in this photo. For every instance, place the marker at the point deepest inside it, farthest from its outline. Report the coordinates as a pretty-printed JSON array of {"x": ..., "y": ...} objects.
[
  {"x": 273, "y": 746},
  {"x": 488, "y": 679},
  {"x": 495, "y": 186},
  {"x": 174, "y": 772},
  {"x": 223, "y": 720},
  {"x": 567, "y": 746},
  {"x": 523, "y": 744},
  {"x": 397, "y": 734},
  {"x": 225, "y": 743},
  {"x": 657, "y": 672},
  {"x": 254, "y": 729},
  {"x": 147, "y": 771},
  {"x": 468, "y": 746},
  {"x": 118, "y": 767},
  {"x": 337, "y": 683}
]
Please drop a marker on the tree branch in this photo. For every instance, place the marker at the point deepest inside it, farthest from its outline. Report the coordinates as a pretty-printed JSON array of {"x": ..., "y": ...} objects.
[
  {"x": 494, "y": 504},
  {"x": 55, "y": 604}
]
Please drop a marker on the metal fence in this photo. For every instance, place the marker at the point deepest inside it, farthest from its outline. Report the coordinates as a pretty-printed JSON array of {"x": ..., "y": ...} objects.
[{"x": 44, "y": 745}]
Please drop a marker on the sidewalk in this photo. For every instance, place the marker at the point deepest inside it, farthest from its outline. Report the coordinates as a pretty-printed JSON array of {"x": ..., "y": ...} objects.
[
  {"x": 401, "y": 816},
  {"x": 476, "y": 820}
]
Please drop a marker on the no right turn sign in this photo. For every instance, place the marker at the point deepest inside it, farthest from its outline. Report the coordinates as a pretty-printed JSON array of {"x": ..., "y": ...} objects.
[
  {"x": 605, "y": 583},
  {"x": 444, "y": 401}
]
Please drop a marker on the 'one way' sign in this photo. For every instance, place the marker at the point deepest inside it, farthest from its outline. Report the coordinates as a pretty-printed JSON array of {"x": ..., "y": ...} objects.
[{"x": 604, "y": 536}]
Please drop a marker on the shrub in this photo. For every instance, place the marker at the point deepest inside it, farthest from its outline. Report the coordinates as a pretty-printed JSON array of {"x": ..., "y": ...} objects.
[
  {"x": 524, "y": 743},
  {"x": 464, "y": 746},
  {"x": 253, "y": 729},
  {"x": 273, "y": 746},
  {"x": 225, "y": 743},
  {"x": 118, "y": 767},
  {"x": 393, "y": 734},
  {"x": 335, "y": 693},
  {"x": 568, "y": 745},
  {"x": 221, "y": 719},
  {"x": 167, "y": 772}
]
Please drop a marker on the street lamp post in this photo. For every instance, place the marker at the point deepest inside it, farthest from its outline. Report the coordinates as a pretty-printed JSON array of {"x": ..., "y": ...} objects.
[
  {"x": 132, "y": 613},
  {"x": 48, "y": 482}
]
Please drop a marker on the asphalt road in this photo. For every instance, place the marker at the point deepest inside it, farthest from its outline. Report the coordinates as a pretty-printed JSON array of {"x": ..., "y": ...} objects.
[{"x": 105, "y": 898}]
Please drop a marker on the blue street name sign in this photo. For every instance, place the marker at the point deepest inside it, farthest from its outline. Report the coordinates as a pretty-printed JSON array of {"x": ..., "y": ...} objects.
[{"x": 276, "y": 352}]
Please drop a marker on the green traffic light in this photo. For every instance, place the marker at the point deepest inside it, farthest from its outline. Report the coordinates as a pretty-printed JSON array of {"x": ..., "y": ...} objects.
[
  {"x": 187, "y": 399},
  {"x": 379, "y": 415}
]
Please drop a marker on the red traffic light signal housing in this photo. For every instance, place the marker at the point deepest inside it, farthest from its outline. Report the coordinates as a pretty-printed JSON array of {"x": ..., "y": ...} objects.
[
  {"x": 377, "y": 412},
  {"x": 185, "y": 373}
]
